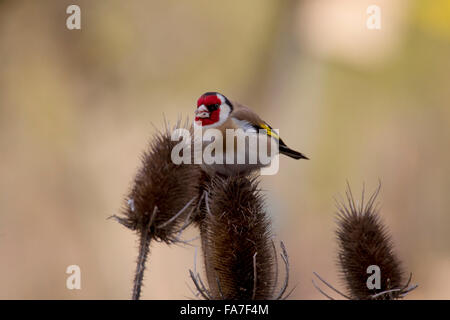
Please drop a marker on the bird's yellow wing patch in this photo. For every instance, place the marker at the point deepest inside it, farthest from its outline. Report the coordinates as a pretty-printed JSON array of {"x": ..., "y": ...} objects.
[{"x": 269, "y": 130}]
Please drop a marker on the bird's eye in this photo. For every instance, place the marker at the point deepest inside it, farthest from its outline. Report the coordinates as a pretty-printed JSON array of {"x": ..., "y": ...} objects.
[{"x": 213, "y": 107}]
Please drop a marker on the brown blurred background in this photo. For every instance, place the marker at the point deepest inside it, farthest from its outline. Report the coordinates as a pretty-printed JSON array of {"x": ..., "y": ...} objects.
[{"x": 77, "y": 107}]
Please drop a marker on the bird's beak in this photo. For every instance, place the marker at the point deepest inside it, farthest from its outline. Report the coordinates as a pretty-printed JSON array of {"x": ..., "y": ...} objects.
[{"x": 202, "y": 112}]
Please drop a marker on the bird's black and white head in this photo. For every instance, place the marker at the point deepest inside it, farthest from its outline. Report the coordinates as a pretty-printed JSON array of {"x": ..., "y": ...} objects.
[{"x": 213, "y": 109}]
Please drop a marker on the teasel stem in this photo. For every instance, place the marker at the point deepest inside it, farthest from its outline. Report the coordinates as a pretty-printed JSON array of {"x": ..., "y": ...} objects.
[{"x": 144, "y": 248}]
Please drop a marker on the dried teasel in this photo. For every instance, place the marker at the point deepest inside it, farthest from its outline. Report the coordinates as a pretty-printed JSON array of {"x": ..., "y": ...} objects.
[
  {"x": 363, "y": 242},
  {"x": 239, "y": 255},
  {"x": 162, "y": 201}
]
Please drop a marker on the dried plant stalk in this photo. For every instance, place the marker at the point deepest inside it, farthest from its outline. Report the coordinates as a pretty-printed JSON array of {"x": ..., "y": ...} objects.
[
  {"x": 162, "y": 201},
  {"x": 236, "y": 241},
  {"x": 364, "y": 241}
]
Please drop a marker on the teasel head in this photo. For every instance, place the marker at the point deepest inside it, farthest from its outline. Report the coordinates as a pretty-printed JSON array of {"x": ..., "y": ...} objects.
[
  {"x": 162, "y": 200},
  {"x": 366, "y": 252},
  {"x": 239, "y": 255}
]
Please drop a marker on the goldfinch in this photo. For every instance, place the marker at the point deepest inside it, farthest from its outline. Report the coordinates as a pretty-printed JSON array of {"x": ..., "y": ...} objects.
[{"x": 215, "y": 111}]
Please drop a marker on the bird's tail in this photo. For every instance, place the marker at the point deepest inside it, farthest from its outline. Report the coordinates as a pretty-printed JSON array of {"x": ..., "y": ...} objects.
[{"x": 291, "y": 153}]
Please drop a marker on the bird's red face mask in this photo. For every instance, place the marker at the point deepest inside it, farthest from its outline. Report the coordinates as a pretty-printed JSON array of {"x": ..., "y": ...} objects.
[{"x": 208, "y": 110}]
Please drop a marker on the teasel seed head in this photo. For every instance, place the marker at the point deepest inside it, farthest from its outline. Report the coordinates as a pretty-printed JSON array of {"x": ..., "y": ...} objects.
[
  {"x": 236, "y": 241},
  {"x": 163, "y": 199},
  {"x": 364, "y": 241}
]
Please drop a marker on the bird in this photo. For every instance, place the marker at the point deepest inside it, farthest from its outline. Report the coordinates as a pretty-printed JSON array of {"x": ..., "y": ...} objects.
[{"x": 215, "y": 111}]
